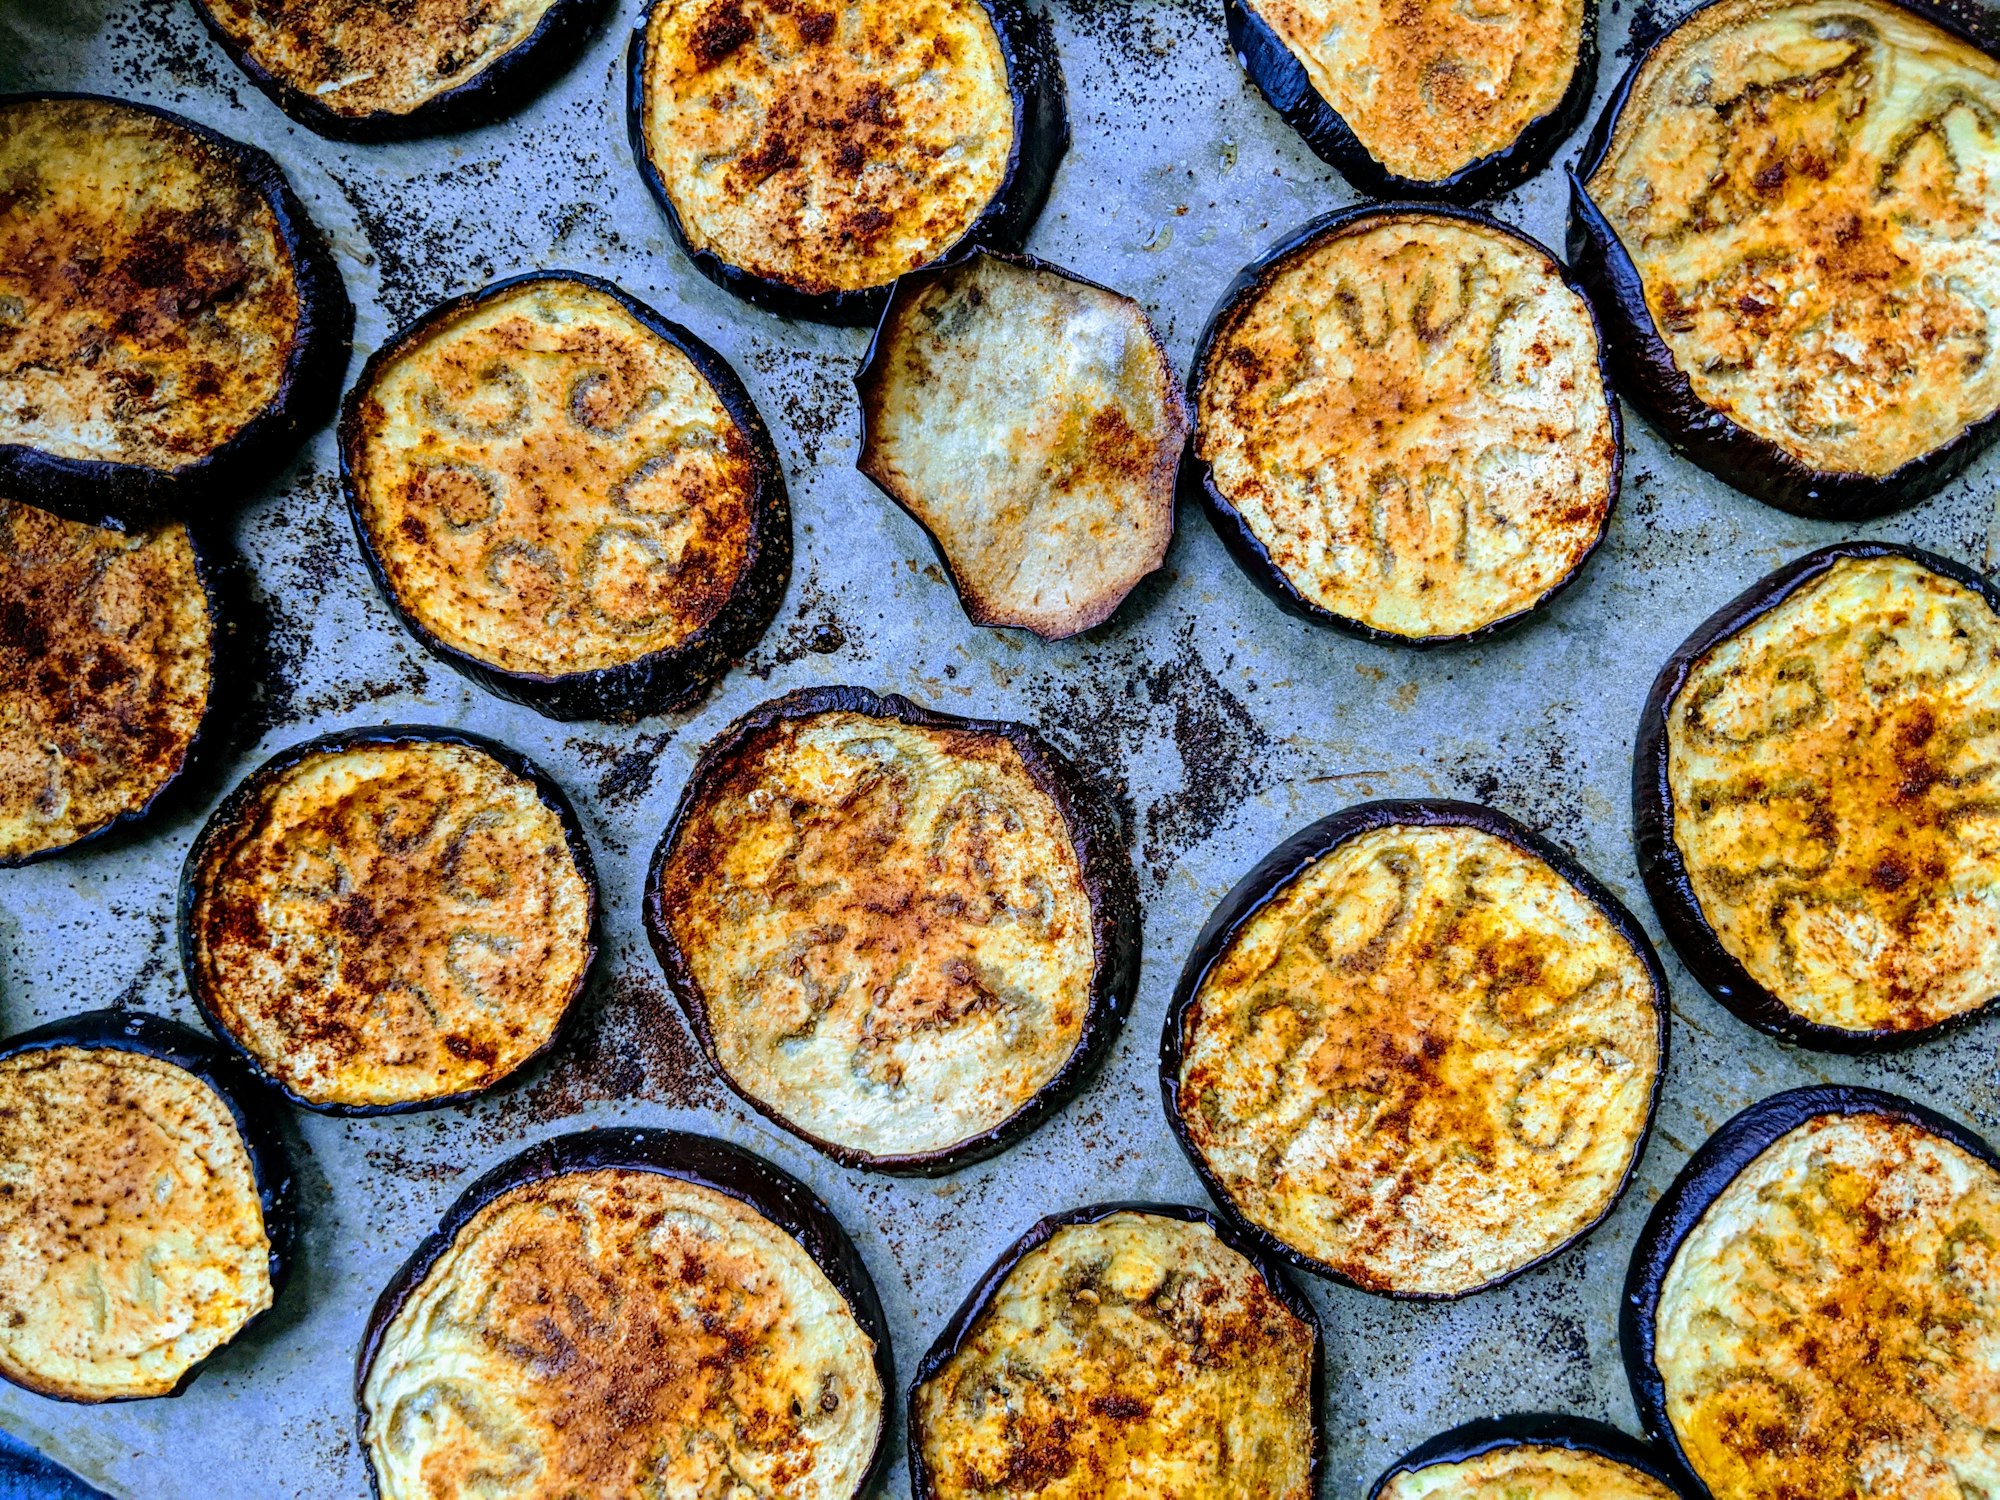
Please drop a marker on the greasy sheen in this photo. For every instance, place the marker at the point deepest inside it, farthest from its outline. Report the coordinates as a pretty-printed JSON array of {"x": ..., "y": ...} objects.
[
  {"x": 1811, "y": 194},
  {"x": 1129, "y": 1359},
  {"x": 1828, "y": 1329},
  {"x": 148, "y": 305},
  {"x": 888, "y": 927},
  {"x": 1528, "y": 1471},
  {"x": 132, "y": 1242},
  {"x": 620, "y": 1332},
  {"x": 392, "y": 923},
  {"x": 551, "y": 486},
  {"x": 105, "y": 652},
  {"x": 1425, "y": 1063},
  {"x": 831, "y": 149},
  {"x": 1431, "y": 86},
  {"x": 1410, "y": 417},
  {"x": 1831, "y": 769},
  {"x": 1033, "y": 426}
]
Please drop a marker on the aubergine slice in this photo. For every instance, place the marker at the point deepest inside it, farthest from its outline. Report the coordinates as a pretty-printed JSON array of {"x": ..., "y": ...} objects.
[
  {"x": 1809, "y": 1310},
  {"x": 1531, "y": 1456},
  {"x": 1416, "y": 1050},
  {"x": 904, "y": 936},
  {"x": 1404, "y": 426},
  {"x": 1786, "y": 218},
  {"x": 171, "y": 323},
  {"x": 1031, "y": 422},
  {"x": 619, "y": 1311},
  {"x": 567, "y": 497},
  {"x": 1122, "y": 1352},
  {"x": 381, "y": 920},
  {"x": 148, "y": 1212},
  {"x": 806, "y": 157}
]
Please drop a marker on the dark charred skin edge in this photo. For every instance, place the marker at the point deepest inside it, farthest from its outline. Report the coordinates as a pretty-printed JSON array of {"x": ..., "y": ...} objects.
[
  {"x": 1269, "y": 878},
  {"x": 665, "y": 680},
  {"x": 1108, "y": 880},
  {"x": 1711, "y": 1169},
  {"x": 127, "y": 497},
  {"x": 1041, "y": 140},
  {"x": 490, "y": 95},
  {"x": 242, "y": 803},
  {"x": 1485, "y": 1435},
  {"x": 1663, "y": 869},
  {"x": 1197, "y": 479},
  {"x": 1281, "y": 79},
  {"x": 250, "y": 1104},
  {"x": 701, "y": 1160}
]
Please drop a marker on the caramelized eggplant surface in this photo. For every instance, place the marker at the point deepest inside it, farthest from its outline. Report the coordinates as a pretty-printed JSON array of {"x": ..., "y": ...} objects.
[{"x": 1534, "y": 1456}]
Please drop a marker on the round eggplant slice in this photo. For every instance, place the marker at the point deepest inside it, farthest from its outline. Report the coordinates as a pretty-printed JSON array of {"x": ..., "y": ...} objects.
[
  {"x": 567, "y": 497},
  {"x": 170, "y": 321},
  {"x": 1813, "y": 798},
  {"x": 1809, "y": 1313},
  {"x": 1032, "y": 424},
  {"x": 903, "y": 936},
  {"x": 1789, "y": 218},
  {"x": 1536, "y": 1456},
  {"x": 147, "y": 1216},
  {"x": 1434, "y": 100},
  {"x": 620, "y": 1312},
  {"x": 1122, "y": 1352},
  {"x": 1417, "y": 1050},
  {"x": 1403, "y": 425},
  {"x": 806, "y": 157},
  {"x": 389, "y": 919}
]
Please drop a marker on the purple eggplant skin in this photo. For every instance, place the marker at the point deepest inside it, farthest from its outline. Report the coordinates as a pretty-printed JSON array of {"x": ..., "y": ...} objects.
[
  {"x": 1108, "y": 879},
  {"x": 241, "y": 803},
  {"x": 1711, "y": 1169},
  {"x": 1541, "y": 1429},
  {"x": 1269, "y": 878},
  {"x": 1197, "y": 480},
  {"x": 251, "y": 1105},
  {"x": 1660, "y": 864},
  {"x": 987, "y": 1288},
  {"x": 1281, "y": 79},
  {"x": 701, "y": 1160},
  {"x": 666, "y": 680},
  {"x": 1041, "y": 140},
  {"x": 128, "y": 497}
]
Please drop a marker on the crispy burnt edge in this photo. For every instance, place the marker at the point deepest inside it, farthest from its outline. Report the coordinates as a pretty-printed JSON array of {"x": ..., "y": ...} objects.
[
  {"x": 1711, "y": 1169},
  {"x": 1197, "y": 477},
  {"x": 1661, "y": 865},
  {"x": 1541, "y": 1429},
  {"x": 951, "y": 1341},
  {"x": 243, "y": 803},
  {"x": 870, "y": 377},
  {"x": 251, "y": 1106},
  {"x": 1107, "y": 877},
  {"x": 124, "y": 496},
  {"x": 1270, "y": 877},
  {"x": 662, "y": 681},
  {"x": 701, "y": 1160},
  {"x": 1041, "y": 140}
]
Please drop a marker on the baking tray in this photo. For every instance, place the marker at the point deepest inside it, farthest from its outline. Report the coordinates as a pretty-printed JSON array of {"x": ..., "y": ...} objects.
[{"x": 1219, "y": 723}]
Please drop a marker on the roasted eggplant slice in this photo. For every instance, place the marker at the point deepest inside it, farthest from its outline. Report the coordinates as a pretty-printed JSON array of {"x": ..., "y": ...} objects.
[
  {"x": 1403, "y": 425},
  {"x": 1536, "y": 1456},
  {"x": 1790, "y": 219},
  {"x": 147, "y": 1211},
  {"x": 567, "y": 497},
  {"x": 1416, "y": 1049},
  {"x": 1813, "y": 799},
  {"x": 1810, "y": 1313},
  {"x": 170, "y": 321},
  {"x": 1031, "y": 423},
  {"x": 389, "y": 919},
  {"x": 1122, "y": 1352},
  {"x": 625, "y": 1312},
  {"x": 903, "y": 936},
  {"x": 807, "y": 156}
]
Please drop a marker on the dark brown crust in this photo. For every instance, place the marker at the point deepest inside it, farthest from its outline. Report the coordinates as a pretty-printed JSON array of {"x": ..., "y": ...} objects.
[
  {"x": 1108, "y": 881},
  {"x": 1485, "y": 1435}
]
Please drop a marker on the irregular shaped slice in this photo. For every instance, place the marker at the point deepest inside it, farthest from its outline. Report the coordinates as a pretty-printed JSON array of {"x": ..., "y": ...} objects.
[
  {"x": 1031, "y": 423},
  {"x": 1532, "y": 1456}
]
